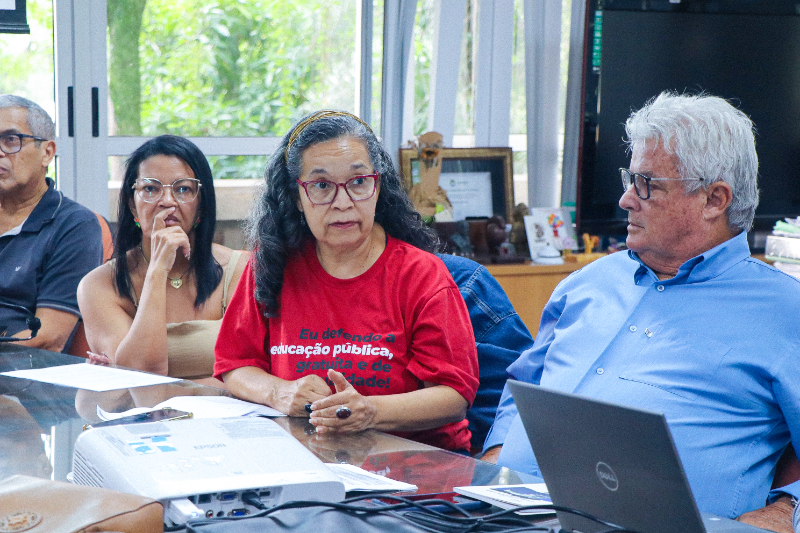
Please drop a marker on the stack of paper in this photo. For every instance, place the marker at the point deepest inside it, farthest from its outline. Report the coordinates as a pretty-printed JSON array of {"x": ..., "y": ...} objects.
[
  {"x": 511, "y": 496},
  {"x": 783, "y": 246},
  {"x": 787, "y": 227}
]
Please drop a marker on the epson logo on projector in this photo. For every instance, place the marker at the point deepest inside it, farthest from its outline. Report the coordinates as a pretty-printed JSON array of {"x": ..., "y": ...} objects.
[
  {"x": 207, "y": 446},
  {"x": 607, "y": 476}
]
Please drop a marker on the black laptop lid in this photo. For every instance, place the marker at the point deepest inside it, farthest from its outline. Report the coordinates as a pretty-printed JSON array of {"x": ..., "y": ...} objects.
[{"x": 614, "y": 462}]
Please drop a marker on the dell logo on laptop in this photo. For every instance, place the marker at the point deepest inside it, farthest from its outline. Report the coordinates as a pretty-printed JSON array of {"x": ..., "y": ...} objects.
[{"x": 607, "y": 476}]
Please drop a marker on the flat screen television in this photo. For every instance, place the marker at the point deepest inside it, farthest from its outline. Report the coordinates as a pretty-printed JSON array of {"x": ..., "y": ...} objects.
[{"x": 745, "y": 51}]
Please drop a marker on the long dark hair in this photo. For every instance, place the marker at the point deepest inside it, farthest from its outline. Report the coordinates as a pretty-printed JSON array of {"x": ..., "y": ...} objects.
[
  {"x": 207, "y": 271},
  {"x": 275, "y": 229}
]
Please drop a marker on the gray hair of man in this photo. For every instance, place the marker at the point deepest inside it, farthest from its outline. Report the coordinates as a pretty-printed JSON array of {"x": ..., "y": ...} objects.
[
  {"x": 39, "y": 122},
  {"x": 710, "y": 139}
]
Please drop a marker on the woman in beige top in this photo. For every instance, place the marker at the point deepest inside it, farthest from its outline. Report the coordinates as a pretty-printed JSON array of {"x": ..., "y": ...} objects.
[{"x": 157, "y": 306}]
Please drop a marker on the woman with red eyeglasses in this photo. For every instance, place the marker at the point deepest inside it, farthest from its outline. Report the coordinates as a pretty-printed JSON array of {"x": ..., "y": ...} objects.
[{"x": 343, "y": 313}]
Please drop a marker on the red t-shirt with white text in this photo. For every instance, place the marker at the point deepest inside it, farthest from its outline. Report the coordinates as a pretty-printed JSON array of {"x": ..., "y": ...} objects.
[{"x": 400, "y": 323}]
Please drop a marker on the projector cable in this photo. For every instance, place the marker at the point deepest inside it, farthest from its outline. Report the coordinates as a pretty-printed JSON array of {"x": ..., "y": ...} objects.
[
  {"x": 417, "y": 513},
  {"x": 251, "y": 498}
]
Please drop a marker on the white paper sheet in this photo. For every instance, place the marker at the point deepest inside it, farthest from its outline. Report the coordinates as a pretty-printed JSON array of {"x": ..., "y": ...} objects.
[
  {"x": 91, "y": 377},
  {"x": 201, "y": 407},
  {"x": 469, "y": 192},
  {"x": 355, "y": 478}
]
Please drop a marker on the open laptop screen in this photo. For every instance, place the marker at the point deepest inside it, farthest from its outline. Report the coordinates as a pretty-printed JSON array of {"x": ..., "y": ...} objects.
[{"x": 614, "y": 462}]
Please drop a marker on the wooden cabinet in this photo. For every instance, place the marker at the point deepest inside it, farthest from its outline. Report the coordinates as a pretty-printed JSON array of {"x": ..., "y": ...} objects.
[{"x": 530, "y": 286}]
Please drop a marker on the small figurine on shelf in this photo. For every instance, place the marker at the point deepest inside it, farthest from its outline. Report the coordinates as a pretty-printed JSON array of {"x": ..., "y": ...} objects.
[
  {"x": 495, "y": 233},
  {"x": 460, "y": 240},
  {"x": 615, "y": 245},
  {"x": 518, "y": 236},
  {"x": 428, "y": 197},
  {"x": 590, "y": 242},
  {"x": 500, "y": 250}
]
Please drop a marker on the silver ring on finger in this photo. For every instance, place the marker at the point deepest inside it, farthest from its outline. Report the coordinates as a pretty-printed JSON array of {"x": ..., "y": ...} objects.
[{"x": 343, "y": 412}]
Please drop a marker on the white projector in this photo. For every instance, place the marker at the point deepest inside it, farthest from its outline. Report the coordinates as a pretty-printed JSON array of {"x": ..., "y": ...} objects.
[{"x": 209, "y": 462}]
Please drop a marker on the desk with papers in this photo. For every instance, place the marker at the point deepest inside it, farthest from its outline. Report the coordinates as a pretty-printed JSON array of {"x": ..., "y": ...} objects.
[{"x": 39, "y": 423}]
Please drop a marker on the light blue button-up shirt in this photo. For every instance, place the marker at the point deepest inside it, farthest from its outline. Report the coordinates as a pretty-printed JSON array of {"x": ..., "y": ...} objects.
[{"x": 716, "y": 349}]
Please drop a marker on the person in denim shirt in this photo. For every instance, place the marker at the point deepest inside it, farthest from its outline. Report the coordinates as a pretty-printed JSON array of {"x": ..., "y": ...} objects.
[{"x": 500, "y": 336}]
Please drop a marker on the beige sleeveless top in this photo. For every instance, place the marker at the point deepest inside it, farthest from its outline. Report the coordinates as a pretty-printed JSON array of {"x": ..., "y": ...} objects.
[{"x": 190, "y": 345}]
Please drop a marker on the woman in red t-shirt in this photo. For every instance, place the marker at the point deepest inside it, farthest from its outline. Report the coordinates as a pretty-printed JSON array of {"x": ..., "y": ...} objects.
[{"x": 343, "y": 312}]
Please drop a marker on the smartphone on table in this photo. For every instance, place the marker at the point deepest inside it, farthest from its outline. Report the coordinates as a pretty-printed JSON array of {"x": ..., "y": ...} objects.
[{"x": 159, "y": 415}]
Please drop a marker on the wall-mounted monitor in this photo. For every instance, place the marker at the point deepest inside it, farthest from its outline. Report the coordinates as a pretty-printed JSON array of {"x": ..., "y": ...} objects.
[{"x": 745, "y": 51}]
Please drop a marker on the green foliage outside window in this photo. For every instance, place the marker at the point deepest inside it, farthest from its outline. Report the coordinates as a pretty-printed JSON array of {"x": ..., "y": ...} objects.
[
  {"x": 423, "y": 57},
  {"x": 27, "y": 60},
  {"x": 246, "y": 68}
]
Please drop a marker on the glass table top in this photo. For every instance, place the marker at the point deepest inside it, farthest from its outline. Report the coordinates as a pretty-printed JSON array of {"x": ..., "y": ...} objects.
[{"x": 40, "y": 422}]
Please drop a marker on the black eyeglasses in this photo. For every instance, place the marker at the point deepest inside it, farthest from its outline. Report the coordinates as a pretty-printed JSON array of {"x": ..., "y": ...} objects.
[
  {"x": 323, "y": 192},
  {"x": 11, "y": 143},
  {"x": 642, "y": 183}
]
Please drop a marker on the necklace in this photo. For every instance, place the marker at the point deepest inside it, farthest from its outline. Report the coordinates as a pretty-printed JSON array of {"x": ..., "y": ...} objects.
[{"x": 176, "y": 283}]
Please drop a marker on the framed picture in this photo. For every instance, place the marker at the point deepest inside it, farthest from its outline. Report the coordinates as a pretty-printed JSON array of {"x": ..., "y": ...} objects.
[
  {"x": 550, "y": 226},
  {"x": 479, "y": 182}
]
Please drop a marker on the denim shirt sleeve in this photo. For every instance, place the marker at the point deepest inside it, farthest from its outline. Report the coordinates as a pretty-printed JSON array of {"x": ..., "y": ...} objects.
[
  {"x": 506, "y": 413},
  {"x": 500, "y": 336}
]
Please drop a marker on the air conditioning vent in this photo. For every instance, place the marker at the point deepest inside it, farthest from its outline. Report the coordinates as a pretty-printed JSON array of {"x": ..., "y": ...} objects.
[{"x": 84, "y": 473}]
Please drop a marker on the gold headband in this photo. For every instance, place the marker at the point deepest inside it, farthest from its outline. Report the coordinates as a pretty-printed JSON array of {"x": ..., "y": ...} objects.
[{"x": 316, "y": 116}]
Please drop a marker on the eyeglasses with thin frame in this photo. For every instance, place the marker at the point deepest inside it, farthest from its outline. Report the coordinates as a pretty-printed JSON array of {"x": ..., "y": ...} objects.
[
  {"x": 11, "y": 143},
  {"x": 641, "y": 182},
  {"x": 151, "y": 190},
  {"x": 323, "y": 192}
]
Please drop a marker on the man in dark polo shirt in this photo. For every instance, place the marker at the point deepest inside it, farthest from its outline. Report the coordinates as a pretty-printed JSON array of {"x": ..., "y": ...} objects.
[{"x": 47, "y": 241}]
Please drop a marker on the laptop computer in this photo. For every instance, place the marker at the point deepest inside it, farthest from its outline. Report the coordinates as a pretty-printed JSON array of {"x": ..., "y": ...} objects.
[{"x": 613, "y": 462}]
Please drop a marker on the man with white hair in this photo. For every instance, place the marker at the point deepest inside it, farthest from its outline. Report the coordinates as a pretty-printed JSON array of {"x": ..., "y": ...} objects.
[
  {"x": 685, "y": 323},
  {"x": 47, "y": 241}
]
